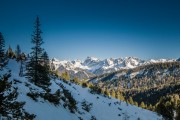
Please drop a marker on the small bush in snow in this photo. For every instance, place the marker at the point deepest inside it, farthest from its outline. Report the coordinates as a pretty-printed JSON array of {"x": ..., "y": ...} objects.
[
  {"x": 84, "y": 85},
  {"x": 93, "y": 118},
  {"x": 33, "y": 96},
  {"x": 86, "y": 106},
  {"x": 69, "y": 100}
]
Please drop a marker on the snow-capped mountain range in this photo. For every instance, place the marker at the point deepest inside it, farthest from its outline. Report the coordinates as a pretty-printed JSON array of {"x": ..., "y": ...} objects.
[{"x": 92, "y": 66}]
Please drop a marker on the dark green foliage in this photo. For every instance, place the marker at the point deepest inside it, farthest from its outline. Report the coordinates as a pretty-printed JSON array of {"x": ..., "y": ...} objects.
[
  {"x": 178, "y": 112},
  {"x": 9, "y": 107},
  {"x": 152, "y": 96},
  {"x": 45, "y": 69},
  {"x": 86, "y": 106},
  {"x": 154, "y": 81},
  {"x": 95, "y": 89},
  {"x": 152, "y": 75},
  {"x": 8, "y": 103},
  {"x": 18, "y": 52},
  {"x": 169, "y": 105},
  {"x": 38, "y": 65},
  {"x": 29, "y": 116},
  {"x": 3, "y": 59},
  {"x": 33, "y": 96},
  {"x": 2, "y": 42},
  {"x": 93, "y": 118},
  {"x": 52, "y": 98},
  {"x": 69, "y": 100},
  {"x": 80, "y": 118}
]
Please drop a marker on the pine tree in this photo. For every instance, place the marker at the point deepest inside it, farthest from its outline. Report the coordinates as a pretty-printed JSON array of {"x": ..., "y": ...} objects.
[
  {"x": 18, "y": 52},
  {"x": 45, "y": 60},
  {"x": 37, "y": 67},
  {"x": 45, "y": 70},
  {"x": 3, "y": 59}
]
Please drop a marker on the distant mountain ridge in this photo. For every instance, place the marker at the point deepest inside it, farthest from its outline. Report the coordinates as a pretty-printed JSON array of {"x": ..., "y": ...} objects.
[{"x": 93, "y": 66}]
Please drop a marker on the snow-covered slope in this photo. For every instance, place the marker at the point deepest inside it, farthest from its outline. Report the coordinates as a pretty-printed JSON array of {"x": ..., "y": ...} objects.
[
  {"x": 103, "y": 108},
  {"x": 97, "y": 67}
]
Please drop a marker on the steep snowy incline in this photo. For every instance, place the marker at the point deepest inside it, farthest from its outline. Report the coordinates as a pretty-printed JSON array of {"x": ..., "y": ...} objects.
[
  {"x": 102, "y": 108},
  {"x": 42, "y": 109},
  {"x": 105, "y": 108}
]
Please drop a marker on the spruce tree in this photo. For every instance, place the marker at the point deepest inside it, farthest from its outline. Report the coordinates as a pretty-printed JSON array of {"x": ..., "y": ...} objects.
[
  {"x": 18, "y": 52},
  {"x": 45, "y": 70},
  {"x": 37, "y": 67},
  {"x": 35, "y": 58},
  {"x": 2, "y": 51}
]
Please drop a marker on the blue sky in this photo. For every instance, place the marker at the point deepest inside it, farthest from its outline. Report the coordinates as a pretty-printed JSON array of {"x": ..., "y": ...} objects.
[{"x": 75, "y": 29}]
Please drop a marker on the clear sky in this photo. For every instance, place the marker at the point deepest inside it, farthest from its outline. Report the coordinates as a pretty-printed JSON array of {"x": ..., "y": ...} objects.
[{"x": 75, "y": 29}]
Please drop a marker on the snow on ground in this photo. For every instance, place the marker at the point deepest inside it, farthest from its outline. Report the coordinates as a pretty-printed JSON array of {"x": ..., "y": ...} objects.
[
  {"x": 103, "y": 111},
  {"x": 103, "y": 108}
]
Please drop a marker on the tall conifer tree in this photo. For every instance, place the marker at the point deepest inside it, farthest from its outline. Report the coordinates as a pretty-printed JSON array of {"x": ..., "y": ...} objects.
[
  {"x": 36, "y": 68},
  {"x": 18, "y": 52},
  {"x": 2, "y": 51}
]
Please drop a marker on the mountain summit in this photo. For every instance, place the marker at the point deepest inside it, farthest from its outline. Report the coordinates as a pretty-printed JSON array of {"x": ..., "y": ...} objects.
[{"x": 92, "y": 66}]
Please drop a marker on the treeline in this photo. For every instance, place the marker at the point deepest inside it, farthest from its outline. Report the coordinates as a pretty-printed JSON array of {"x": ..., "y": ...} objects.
[
  {"x": 151, "y": 98},
  {"x": 145, "y": 86}
]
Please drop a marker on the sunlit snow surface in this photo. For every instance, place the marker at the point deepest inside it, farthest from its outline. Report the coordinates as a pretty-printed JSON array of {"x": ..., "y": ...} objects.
[{"x": 103, "y": 108}]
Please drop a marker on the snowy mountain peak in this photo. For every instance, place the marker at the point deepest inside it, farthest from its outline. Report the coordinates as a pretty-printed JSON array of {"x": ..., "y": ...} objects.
[
  {"x": 96, "y": 66},
  {"x": 92, "y": 58},
  {"x": 55, "y": 59}
]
